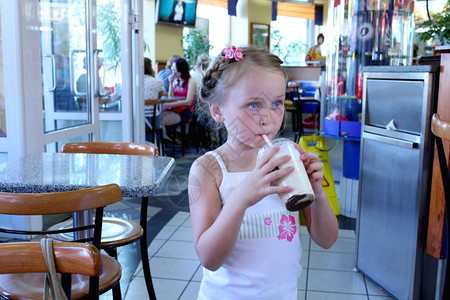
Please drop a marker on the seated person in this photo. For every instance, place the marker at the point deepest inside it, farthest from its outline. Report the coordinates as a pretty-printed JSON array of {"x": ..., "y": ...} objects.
[
  {"x": 153, "y": 89},
  {"x": 181, "y": 85},
  {"x": 164, "y": 74},
  {"x": 200, "y": 68}
]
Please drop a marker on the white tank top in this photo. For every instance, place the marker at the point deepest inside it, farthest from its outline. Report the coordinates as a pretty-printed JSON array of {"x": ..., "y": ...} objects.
[{"x": 265, "y": 263}]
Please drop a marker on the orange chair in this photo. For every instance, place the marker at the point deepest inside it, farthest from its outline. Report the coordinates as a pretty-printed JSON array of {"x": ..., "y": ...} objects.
[
  {"x": 116, "y": 232},
  {"x": 31, "y": 286},
  {"x": 441, "y": 131},
  {"x": 155, "y": 131},
  {"x": 70, "y": 258}
]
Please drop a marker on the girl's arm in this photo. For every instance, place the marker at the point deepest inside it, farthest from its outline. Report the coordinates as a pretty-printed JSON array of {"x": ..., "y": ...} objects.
[
  {"x": 319, "y": 216},
  {"x": 171, "y": 83},
  {"x": 216, "y": 227}
]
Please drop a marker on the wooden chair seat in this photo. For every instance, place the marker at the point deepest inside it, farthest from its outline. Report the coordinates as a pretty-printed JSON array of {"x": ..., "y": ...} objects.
[
  {"x": 31, "y": 285},
  {"x": 115, "y": 231}
]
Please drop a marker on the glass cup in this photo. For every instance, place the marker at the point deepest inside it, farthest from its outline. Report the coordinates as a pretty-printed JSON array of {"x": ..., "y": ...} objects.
[{"x": 302, "y": 194}]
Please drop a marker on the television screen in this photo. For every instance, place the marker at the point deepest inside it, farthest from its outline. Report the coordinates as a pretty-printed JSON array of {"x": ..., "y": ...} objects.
[{"x": 176, "y": 12}]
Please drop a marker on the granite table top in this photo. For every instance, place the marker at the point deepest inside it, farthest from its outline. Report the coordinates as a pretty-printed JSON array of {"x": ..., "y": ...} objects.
[{"x": 137, "y": 176}]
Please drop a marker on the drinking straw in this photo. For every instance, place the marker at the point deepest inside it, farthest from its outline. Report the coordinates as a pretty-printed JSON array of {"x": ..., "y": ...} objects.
[{"x": 267, "y": 140}]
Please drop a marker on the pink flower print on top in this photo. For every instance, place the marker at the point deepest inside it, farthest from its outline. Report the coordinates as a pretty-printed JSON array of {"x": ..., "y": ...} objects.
[
  {"x": 267, "y": 221},
  {"x": 287, "y": 228}
]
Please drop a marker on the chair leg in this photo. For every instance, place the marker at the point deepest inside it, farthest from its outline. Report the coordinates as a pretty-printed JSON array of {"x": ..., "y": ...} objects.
[
  {"x": 144, "y": 251},
  {"x": 183, "y": 137},
  {"x": 111, "y": 252},
  {"x": 117, "y": 293}
]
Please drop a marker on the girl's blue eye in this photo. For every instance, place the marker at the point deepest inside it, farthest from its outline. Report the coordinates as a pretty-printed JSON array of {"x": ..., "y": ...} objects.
[
  {"x": 253, "y": 105},
  {"x": 277, "y": 104}
]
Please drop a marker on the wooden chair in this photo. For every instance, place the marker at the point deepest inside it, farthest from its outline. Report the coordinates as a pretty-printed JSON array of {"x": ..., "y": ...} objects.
[
  {"x": 70, "y": 258},
  {"x": 155, "y": 131},
  {"x": 117, "y": 232},
  {"x": 30, "y": 286},
  {"x": 441, "y": 131}
]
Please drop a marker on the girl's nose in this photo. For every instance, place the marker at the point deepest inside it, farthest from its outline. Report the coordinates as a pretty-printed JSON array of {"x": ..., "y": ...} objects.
[{"x": 265, "y": 116}]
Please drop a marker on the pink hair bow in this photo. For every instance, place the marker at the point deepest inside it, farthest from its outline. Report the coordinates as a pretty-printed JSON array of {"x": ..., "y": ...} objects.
[{"x": 233, "y": 52}]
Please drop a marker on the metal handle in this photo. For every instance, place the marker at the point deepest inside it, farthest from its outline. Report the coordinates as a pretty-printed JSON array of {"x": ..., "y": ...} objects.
[
  {"x": 73, "y": 89},
  {"x": 52, "y": 57},
  {"x": 389, "y": 140}
]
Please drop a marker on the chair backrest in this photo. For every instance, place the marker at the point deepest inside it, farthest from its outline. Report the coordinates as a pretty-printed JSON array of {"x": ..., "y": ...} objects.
[
  {"x": 70, "y": 258},
  {"x": 61, "y": 203},
  {"x": 19, "y": 260},
  {"x": 78, "y": 201},
  {"x": 440, "y": 128},
  {"x": 110, "y": 148}
]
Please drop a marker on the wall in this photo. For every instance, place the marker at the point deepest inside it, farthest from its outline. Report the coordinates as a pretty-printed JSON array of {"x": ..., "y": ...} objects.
[
  {"x": 260, "y": 12},
  {"x": 164, "y": 41}
]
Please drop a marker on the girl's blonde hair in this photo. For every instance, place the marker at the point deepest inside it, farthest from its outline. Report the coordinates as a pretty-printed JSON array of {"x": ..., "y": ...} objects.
[{"x": 224, "y": 73}]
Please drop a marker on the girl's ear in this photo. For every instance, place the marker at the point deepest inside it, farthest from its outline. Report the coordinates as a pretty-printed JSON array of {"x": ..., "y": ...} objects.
[{"x": 216, "y": 112}]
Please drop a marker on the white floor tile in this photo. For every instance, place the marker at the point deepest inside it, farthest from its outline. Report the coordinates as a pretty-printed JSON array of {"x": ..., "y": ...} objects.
[
  {"x": 332, "y": 261},
  {"x": 333, "y": 296},
  {"x": 167, "y": 289},
  {"x": 304, "y": 260},
  {"x": 182, "y": 234},
  {"x": 191, "y": 291},
  {"x": 155, "y": 245},
  {"x": 301, "y": 295},
  {"x": 166, "y": 232},
  {"x": 301, "y": 281},
  {"x": 345, "y": 245},
  {"x": 179, "y": 219},
  {"x": 177, "y": 249},
  {"x": 346, "y": 233},
  {"x": 336, "y": 281},
  {"x": 198, "y": 274},
  {"x": 306, "y": 241},
  {"x": 170, "y": 268},
  {"x": 188, "y": 222}
]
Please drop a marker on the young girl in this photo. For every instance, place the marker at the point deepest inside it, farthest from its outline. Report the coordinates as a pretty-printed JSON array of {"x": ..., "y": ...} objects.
[{"x": 247, "y": 242}]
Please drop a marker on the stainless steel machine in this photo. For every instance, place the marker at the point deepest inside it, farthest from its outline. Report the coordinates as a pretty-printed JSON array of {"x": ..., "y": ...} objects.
[{"x": 394, "y": 177}]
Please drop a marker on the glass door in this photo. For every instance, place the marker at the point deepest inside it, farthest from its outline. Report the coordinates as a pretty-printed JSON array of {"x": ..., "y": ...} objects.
[
  {"x": 73, "y": 72},
  {"x": 82, "y": 71},
  {"x": 70, "y": 79}
]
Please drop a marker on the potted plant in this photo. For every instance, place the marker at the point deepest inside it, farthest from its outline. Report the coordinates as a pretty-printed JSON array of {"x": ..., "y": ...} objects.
[
  {"x": 194, "y": 44},
  {"x": 437, "y": 27}
]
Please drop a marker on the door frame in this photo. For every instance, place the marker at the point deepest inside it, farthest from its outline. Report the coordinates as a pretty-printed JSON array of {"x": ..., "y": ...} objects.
[{"x": 24, "y": 112}]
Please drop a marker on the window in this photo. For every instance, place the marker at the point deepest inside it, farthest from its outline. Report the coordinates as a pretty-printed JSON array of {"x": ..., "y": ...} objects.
[{"x": 290, "y": 39}]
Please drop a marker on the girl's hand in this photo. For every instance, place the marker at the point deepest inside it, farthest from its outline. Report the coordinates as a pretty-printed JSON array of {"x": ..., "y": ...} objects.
[
  {"x": 171, "y": 78},
  {"x": 314, "y": 168},
  {"x": 258, "y": 184}
]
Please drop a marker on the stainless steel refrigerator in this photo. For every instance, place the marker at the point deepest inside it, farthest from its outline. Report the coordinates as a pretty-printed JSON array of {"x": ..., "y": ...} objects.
[{"x": 394, "y": 176}]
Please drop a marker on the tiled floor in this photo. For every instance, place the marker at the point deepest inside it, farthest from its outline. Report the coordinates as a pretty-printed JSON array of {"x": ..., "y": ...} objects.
[{"x": 176, "y": 270}]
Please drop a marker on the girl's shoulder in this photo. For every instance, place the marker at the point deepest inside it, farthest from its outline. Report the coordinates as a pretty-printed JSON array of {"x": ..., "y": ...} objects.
[{"x": 206, "y": 166}]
